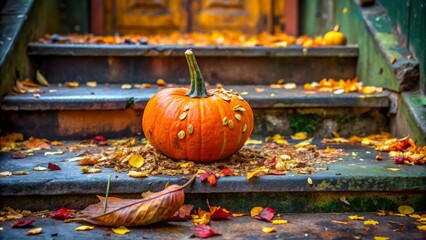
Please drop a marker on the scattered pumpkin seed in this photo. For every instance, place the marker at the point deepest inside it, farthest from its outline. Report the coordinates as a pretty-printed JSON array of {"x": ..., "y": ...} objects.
[
  {"x": 186, "y": 108},
  {"x": 24, "y": 172},
  {"x": 238, "y": 117},
  {"x": 190, "y": 129},
  {"x": 244, "y": 127},
  {"x": 240, "y": 98},
  {"x": 181, "y": 134},
  {"x": 239, "y": 108},
  {"x": 230, "y": 124},
  {"x": 225, "y": 121},
  {"x": 224, "y": 97},
  {"x": 183, "y": 116}
]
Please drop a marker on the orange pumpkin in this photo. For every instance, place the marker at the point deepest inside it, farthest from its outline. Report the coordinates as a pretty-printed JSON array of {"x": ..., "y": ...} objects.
[{"x": 196, "y": 124}]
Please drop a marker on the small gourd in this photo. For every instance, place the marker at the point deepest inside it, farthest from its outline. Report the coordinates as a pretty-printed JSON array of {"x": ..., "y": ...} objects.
[
  {"x": 195, "y": 124},
  {"x": 334, "y": 38}
]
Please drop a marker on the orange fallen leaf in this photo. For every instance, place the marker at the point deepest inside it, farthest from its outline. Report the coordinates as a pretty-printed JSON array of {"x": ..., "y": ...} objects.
[
  {"x": 33, "y": 142},
  {"x": 156, "y": 207}
]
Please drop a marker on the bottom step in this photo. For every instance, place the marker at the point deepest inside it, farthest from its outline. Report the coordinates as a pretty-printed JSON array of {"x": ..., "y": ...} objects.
[
  {"x": 354, "y": 173},
  {"x": 299, "y": 226}
]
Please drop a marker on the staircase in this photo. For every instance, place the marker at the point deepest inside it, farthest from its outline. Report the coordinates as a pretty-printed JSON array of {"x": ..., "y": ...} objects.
[{"x": 72, "y": 115}]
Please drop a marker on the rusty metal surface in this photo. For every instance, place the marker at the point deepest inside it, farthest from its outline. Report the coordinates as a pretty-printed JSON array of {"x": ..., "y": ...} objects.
[
  {"x": 299, "y": 226},
  {"x": 119, "y": 64}
]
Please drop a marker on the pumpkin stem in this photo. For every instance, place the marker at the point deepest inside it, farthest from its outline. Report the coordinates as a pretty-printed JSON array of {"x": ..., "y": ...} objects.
[{"x": 198, "y": 86}]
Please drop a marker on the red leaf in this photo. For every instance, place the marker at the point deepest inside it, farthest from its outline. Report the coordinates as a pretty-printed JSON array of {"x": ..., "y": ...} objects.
[
  {"x": 184, "y": 213},
  {"x": 17, "y": 155},
  {"x": 99, "y": 139},
  {"x": 266, "y": 214},
  {"x": 210, "y": 177},
  {"x": 22, "y": 223},
  {"x": 53, "y": 167},
  {"x": 227, "y": 172},
  {"x": 204, "y": 231},
  {"x": 62, "y": 213},
  {"x": 217, "y": 212}
]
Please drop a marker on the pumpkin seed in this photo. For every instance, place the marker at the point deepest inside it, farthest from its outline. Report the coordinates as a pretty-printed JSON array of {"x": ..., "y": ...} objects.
[
  {"x": 225, "y": 121},
  {"x": 186, "y": 108},
  {"x": 183, "y": 116},
  {"x": 224, "y": 97},
  {"x": 190, "y": 129},
  {"x": 244, "y": 127},
  {"x": 181, "y": 134},
  {"x": 240, "y": 98},
  {"x": 239, "y": 108},
  {"x": 230, "y": 124},
  {"x": 238, "y": 117}
]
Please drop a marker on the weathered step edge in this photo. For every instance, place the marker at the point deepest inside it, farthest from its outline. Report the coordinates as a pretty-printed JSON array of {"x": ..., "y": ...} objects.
[
  {"x": 175, "y": 50},
  {"x": 113, "y": 97}
]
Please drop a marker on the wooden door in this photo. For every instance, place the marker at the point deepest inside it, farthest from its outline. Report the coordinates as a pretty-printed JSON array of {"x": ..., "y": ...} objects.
[{"x": 166, "y": 16}]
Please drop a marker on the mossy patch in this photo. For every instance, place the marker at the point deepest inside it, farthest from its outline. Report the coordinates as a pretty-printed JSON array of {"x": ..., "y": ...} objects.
[{"x": 304, "y": 122}]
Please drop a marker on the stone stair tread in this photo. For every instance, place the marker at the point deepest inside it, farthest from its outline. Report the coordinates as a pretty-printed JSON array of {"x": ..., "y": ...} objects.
[
  {"x": 299, "y": 226},
  {"x": 353, "y": 173},
  {"x": 175, "y": 50},
  {"x": 114, "y": 97}
]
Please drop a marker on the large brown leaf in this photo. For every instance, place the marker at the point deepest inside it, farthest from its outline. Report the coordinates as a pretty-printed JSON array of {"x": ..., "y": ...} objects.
[{"x": 156, "y": 207}]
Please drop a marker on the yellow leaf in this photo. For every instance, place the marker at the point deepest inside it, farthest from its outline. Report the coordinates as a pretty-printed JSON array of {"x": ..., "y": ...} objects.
[
  {"x": 381, "y": 238},
  {"x": 257, "y": 171},
  {"x": 304, "y": 143},
  {"x": 404, "y": 209},
  {"x": 41, "y": 79},
  {"x": 281, "y": 142},
  {"x": 5, "y": 174},
  {"x": 126, "y": 86},
  {"x": 136, "y": 161},
  {"x": 186, "y": 165},
  {"x": 268, "y": 229},
  {"x": 310, "y": 182},
  {"x": 371, "y": 222},
  {"x": 356, "y": 217},
  {"x": 414, "y": 216},
  {"x": 205, "y": 219},
  {"x": 40, "y": 168},
  {"x": 84, "y": 228},
  {"x": 120, "y": 230},
  {"x": 86, "y": 169},
  {"x": 422, "y": 227},
  {"x": 300, "y": 136},
  {"x": 256, "y": 211},
  {"x": 53, "y": 153},
  {"x": 279, "y": 221},
  {"x": 253, "y": 142},
  {"x": 35, "y": 231},
  {"x": 72, "y": 84},
  {"x": 137, "y": 174},
  {"x": 394, "y": 169},
  {"x": 238, "y": 214}
]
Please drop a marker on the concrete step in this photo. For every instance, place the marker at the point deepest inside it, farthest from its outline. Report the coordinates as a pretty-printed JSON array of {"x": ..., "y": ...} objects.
[
  {"x": 226, "y": 65},
  {"x": 299, "y": 226},
  {"x": 366, "y": 183},
  {"x": 83, "y": 112}
]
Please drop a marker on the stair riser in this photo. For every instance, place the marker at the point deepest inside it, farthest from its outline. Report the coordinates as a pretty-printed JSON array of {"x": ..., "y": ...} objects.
[
  {"x": 173, "y": 69},
  {"x": 284, "y": 202},
  {"x": 81, "y": 124}
]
